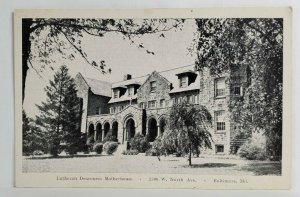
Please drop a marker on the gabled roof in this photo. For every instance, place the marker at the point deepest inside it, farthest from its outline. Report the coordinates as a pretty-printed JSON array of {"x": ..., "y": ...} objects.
[{"x": 98, "y": 87}]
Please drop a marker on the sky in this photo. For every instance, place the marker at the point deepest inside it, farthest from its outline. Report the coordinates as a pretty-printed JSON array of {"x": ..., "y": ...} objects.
[{"x": 120, "y": 55}]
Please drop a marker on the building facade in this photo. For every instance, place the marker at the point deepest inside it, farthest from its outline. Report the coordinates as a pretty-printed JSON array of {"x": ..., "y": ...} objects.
[{"x": 142, "y": 104}]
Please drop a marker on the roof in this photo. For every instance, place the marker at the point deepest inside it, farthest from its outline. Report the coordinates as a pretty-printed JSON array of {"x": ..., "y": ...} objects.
[
  {"x": 138, "y": 80},
  {"x": 99, "y": 87},
  {"x": 124, "y": 97},
  {"x": 187, "y": 71},
  {"x": 104, "y": 88}
]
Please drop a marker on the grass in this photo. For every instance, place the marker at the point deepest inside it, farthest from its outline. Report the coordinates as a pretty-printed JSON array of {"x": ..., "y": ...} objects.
[{"x": 150, "y": 164}]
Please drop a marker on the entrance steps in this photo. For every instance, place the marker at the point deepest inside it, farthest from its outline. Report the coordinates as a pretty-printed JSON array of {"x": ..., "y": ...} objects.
[{"x": 121, "y": 149}]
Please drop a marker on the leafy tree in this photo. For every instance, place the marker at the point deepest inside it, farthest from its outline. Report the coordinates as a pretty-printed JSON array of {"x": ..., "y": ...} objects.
[
  {"x": 43, "y": 37},
  {"x": 60, "y": 114},
  {"x": 32, "y": 137},
  {"x": 255, "y": 45},
  {"x": 190, "y": 125}
]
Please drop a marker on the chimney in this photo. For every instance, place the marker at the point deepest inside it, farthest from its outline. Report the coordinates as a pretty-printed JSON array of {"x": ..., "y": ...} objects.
[{"x": 127, "y": 77}]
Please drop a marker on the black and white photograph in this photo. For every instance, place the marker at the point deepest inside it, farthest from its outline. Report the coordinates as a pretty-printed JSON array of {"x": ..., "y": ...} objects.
[{"x": 185, "y": 96}]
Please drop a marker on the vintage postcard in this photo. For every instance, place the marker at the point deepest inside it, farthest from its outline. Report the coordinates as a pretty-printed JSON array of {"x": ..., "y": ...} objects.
[{"x": 158, "y": 98}]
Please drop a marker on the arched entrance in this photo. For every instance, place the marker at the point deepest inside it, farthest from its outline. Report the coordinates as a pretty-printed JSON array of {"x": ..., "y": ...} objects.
[
  {"x": 152, "y": 129},
  {"x": 91, "y": 131},
  {"x": 129, "y": 129},
  {"x": 106, "y": 128},
  {"x": 115, "y": 129},
  {"x": 99, "y": 131},
  {"x": 162, "y": 126}
]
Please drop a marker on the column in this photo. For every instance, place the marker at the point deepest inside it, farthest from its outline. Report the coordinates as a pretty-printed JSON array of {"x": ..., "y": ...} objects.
[
  {"x": 102, "y": 137},
  {"x": 95, "y": 135},
  {"x": 158, "y": 131}
]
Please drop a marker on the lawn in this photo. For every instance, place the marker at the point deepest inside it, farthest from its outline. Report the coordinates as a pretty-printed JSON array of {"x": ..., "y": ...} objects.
[{"x": 151, "y": 164}]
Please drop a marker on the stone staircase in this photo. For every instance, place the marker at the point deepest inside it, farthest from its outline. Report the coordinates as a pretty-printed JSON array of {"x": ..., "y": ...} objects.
[{"x": 121, "y": 149}]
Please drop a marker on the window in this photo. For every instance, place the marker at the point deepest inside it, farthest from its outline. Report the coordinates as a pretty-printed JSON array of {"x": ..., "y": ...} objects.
[
  {"x": 219, "y": 148},
  {"x": 220, "y": 120},
  {"x": 197, "y": 99},
  {"x": 142, "y": 105},
  {"x": 152, "y": 86},
  {"x": 130, "y": 91},
  {"x": 162, "y": 103},
  {"x": 152, "y": 104},
  {"x": 179, "y": 100},
  {"x": 183, "y": 82},
  {"x": 237, "y": 90},
  {"x": 116, "y": 94},
  {"x": 220, "y": 87}
]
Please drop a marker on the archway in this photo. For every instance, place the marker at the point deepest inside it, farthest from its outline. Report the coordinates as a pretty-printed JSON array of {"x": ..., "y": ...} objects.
[
  {"x": 162, "y": 125},
  {"x": 129, "y": 129},
  {"x": 91, "y": 130},
  {"x": 115, "y": 129},
  {"x": 152, "y": 129},
  {"x": 99, "y": 131},
  {"x": 106, "y": 128}
]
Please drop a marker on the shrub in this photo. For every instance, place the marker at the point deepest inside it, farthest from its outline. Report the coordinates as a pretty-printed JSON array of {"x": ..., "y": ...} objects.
[
  {"x": 54, "y": 149},
  {"x": 90, "y": 140},
  {"x": 139, "y": 143},
  {"x": 110, "y": 147},
  {"x": 130, "y": 152},
  {"x": 98, "y": 148},
  {"x": 151, "y": 152},
  {"x": 109, "y": 138},
  {"x": 38, "y": 152},
  {"x": 252, "y": 150}
]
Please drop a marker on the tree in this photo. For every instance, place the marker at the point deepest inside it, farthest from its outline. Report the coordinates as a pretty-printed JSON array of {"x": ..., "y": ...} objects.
[
  {"x": 190, "y": 124},
  {"x": 43, "y": 37},
  {"x": 60, "y": 114},
  {"x": 255, "y": 44},
  {"x": 32, "y": 137}
]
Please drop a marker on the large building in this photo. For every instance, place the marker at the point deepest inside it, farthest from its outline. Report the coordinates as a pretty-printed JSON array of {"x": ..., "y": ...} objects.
[{"x": 141, "y": 104}]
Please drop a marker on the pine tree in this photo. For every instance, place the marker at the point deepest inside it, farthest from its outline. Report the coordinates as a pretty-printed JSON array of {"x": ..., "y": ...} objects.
[{"x": 60, "y": 114}]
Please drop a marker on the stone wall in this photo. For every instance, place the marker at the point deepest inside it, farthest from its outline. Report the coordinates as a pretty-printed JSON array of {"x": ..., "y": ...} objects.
[
  {"x": 83, "y": 93},
  {"x": 145, "y": 95}
]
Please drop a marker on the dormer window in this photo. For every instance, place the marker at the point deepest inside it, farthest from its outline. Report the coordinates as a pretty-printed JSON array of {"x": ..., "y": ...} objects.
[
  {"x": 183, "y": 82},
  {"x": 152, "y": 86},
  {"x": 116, "y": 94},
  {"x": 130, "y": 91}
]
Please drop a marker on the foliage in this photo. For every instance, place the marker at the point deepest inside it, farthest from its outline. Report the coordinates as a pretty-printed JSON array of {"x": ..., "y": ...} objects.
[
  {"x": 139, "y": 143},
  {"x": 110, "y": 138},
  {"x": 37, "y": 152},
  {"x": 98, "y": 148},
  {"x": 45, "y": 38},
  {"x": 110, "y": 147},
  {"x": 60, "y": 115},
  {"x": 32, "y": 137},
  {"x": 90, "y": 141},
  {"x": 82, "y": 144},
  {"x": 157, "y": 148},
  {"x": 252, "y": 150},
  {"x": 130, "y": 152},
  {"x": 54, "y": 147},
  {"x": 190, "y": 126},
  {"x": 255, "y": 45}
]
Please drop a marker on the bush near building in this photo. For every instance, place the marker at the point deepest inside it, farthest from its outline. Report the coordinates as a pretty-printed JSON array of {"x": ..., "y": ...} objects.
[
  {"x": 110, "y": 147},
  {"x": 98, "y": 148},
  {"x": 253, "y": 150},
  {"x": 139, "y": 143}
]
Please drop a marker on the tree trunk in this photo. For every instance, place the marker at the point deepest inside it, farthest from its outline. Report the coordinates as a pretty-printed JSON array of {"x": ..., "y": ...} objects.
[
  {"x": 190, "y": 156},
  {"x": 26, "y": 45}
]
